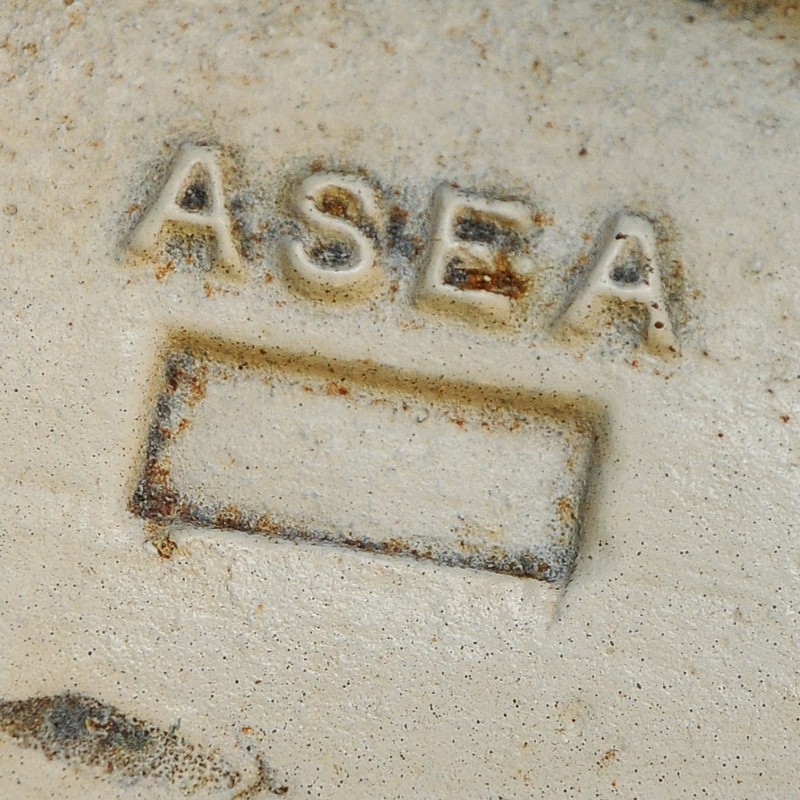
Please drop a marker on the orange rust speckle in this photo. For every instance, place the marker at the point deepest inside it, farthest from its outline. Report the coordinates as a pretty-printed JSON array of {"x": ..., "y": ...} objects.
[
  {"x": 566, "y": 510},
  {"x": 468, "y": 547},
  {"x": 502, "y": 280},
  {"x": 165, "y": 547},
  {"x": 339, "y": 202},
  {"x": 394, "y": 546},
  {"x": 229, "y": 518},
  {"x": 194, "y": 382},
  {"x": 155, "y": 496},
  {"x": 398, "y": 215},
  {"x": 266, "y": 524},
  {"x": 785, "y": 417},
  {"x": 332, "y": 388},
  {"x": 542, "y": 219},
  {"x": 749, "y": 8},
  {"x": 164, "y": 270}
]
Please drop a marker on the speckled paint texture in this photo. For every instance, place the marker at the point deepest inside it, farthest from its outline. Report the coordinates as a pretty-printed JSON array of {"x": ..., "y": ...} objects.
[{"x": 657, "y": 137}]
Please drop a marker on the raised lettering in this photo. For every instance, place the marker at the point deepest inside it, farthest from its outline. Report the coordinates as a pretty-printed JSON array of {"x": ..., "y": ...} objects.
[
  {"x": 341, "y": 212},
  {"x": 476, "y": 261},
  {"x": 616, "y": 276},
  {"x": 192, "y": 197}
]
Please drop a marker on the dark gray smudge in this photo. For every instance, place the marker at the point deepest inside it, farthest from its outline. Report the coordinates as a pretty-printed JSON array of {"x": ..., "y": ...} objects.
[{"x": 79, "y": 729}]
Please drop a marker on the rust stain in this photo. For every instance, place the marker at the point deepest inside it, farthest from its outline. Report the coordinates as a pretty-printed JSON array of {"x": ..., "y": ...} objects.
[
  {"x": 468, "y": 547},
  {"x": 164, "y": 270},
  {"x": 500, "y": 280},
  {"x": 229, "y": 518},
  {"x": 185, "y": 375},
  {"x": 750, "y": 9},
  {"x": 160, "y": 539},
  {"x": 157, "y": 499},
  {"x": 566, "y": 510},
  {"x": 266, "y": 525},
  {"x": 610, "y": 755},
  {"x": 332, "y": 388},
  {"x": 338, "y": 202},
  {"x": 408, "y": 246},
  {"x": 77, "y": 728},
  {"x": 398, "y": 217},
  {"x": 265, "y": 782}
]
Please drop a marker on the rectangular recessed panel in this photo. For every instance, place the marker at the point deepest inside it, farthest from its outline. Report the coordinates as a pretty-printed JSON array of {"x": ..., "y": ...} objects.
[{"x": 362, "y": 456}]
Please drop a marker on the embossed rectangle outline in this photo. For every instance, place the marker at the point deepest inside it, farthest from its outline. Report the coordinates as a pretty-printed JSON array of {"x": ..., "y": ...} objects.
[{"x": 186, "y": 361}]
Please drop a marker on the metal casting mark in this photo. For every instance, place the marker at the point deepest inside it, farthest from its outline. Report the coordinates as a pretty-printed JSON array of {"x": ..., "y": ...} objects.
[{"x": 377, "y": 455}]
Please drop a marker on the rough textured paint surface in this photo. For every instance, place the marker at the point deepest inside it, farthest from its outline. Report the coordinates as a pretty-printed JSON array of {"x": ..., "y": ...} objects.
[{"x": 667, "y": 666}]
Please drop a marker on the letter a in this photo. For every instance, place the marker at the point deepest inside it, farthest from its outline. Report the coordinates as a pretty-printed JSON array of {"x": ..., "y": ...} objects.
[
  {"x": 642, "y": 287},
  {"x": 195, "y": 206}
]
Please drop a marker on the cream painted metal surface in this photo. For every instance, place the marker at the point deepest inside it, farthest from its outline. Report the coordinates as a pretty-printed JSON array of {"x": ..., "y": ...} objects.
[{"x": 399, "y": 401}]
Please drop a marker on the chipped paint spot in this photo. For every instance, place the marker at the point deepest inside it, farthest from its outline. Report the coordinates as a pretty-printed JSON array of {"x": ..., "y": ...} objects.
[
  {"x": 79, "y": 729},
  {"x": 82, "y": 730}
]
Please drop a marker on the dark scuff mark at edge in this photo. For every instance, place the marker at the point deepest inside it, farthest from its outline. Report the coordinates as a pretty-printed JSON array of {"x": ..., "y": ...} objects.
[{"x": 79, "y": 729}]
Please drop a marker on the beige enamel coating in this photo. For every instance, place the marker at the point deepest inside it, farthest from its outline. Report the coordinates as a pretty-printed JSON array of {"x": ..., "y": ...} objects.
[{"x": 667, "y": 667}]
